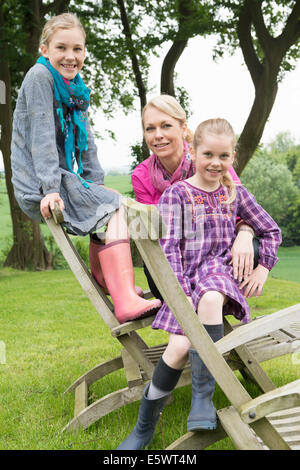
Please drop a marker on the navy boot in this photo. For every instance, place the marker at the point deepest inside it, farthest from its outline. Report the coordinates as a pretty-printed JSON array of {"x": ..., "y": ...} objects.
[
  {"x": 203, "y": 414},
  {"x": 148, "y": 417}
]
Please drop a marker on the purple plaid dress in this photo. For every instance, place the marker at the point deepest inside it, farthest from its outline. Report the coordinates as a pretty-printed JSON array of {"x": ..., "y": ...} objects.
[{"x": 200, "y": 231}]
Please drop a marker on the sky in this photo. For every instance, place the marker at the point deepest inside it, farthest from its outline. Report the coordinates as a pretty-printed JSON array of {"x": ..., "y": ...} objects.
[{"x": 216, "y": 89}]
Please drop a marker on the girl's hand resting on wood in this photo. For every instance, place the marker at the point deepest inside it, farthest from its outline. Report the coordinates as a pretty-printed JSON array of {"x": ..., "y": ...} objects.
[
  {"x": 255, "y": 282},
  {"x": 242, "y": 255},
  {"x": 48, "y": 202}
]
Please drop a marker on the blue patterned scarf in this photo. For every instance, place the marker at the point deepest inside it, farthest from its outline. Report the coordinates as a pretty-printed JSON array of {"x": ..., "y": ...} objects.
[{"x": 76, "y": 96}]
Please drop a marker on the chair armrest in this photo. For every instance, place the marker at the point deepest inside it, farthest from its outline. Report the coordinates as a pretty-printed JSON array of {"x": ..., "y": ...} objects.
[
  {"x": 132, "y": 326},
  {"x": 57, "y": 215},
  {"x": 258, "y": 328},
  {"x": 279, "y": 399}
]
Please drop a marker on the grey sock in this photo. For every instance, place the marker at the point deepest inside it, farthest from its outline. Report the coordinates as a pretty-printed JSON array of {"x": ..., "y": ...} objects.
[
  {"x": 155, "y": 393},
  {"x": 164, "y": 380}
]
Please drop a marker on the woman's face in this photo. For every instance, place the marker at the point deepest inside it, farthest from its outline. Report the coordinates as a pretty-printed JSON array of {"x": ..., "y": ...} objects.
[
  {"x": 66, "y": 51},
  {"x": 163, "y": 134}
]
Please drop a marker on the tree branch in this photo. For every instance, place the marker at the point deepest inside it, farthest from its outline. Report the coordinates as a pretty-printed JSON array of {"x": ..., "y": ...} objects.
[
  {"x": 186, "y": 11},
  {"x": 57, "y": 7},
  {"x": 291, "y": 31},
  {"x": 132, "y": 54},
  {"x": 168, "y": 67},
  {"x": 265, "y": 39},
  {"x": 246, "y": 42}
]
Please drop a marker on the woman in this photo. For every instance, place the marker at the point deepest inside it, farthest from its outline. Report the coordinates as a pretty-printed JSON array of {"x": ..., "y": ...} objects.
[{"x": 168, "y": 138}]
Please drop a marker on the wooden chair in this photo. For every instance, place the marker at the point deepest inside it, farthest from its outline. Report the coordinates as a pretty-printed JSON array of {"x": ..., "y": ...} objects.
[{"x": 242, "y": 348}]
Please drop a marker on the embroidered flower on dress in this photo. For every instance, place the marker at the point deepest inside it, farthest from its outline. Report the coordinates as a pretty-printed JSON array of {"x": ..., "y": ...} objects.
[
  {"x": 222, "y": 198},
  {"x": 199, "y": 199}
]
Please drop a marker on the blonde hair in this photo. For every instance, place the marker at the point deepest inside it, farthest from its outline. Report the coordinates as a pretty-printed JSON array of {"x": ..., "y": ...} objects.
[
  {"x": 169, "y": 105},
  {"x": 63, "y": 21},
  {"x": 218, "y": 126}
]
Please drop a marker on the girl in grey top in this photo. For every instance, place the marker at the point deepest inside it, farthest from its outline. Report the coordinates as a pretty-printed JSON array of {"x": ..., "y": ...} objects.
[{"x": 54, "y": 158}]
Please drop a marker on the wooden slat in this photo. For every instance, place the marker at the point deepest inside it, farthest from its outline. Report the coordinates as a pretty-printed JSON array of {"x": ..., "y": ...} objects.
[
  {"x": 133, "y": 345},
  {"x": 97, "y": 372},
  {"x": 241, "y": 435},
  {"x": 132, "y": 326},
  {"x": 279, "y": 399},
  {"x": 104, "y": 406},
  {"x": 198, "y": 440},
  {"x": 263, "y": 326},
  {"x": 252, "y": 366},
  {"x": 95, "y": 294},
  {"x": 81, "y": 398},
  {"x": 132, "y": 370}
]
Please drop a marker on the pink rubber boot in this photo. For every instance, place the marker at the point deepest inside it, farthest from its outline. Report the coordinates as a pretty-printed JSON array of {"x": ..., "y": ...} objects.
[
  {"x": 116, "y": 262},
  {"x": 95, "y": 246}
]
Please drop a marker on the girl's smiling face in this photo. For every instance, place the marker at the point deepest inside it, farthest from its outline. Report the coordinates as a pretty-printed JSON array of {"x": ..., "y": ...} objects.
[
  {"x": 66, "y": 51},
  {"x": 213, "y": 157}
]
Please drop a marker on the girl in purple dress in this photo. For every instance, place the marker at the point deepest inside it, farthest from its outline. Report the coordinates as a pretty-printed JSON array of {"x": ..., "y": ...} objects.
[{"x": 200, "y": 215}]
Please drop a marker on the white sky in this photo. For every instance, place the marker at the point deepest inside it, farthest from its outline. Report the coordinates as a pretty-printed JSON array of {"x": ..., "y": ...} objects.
[{"x": 222, "y": 89}]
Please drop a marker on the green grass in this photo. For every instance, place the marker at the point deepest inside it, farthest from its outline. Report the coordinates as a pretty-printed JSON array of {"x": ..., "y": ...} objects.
[
  {"x": 5, "y": 217},
  {"x": 288, "y": 266},
  {"x": 53, "y": 335},
  {"x": 120, "y": 182}
]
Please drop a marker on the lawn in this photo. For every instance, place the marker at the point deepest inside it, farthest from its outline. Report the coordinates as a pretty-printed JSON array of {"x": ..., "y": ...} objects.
[
  {"x": 50, "y": 335},
  {"x": 288, "y": 266}
]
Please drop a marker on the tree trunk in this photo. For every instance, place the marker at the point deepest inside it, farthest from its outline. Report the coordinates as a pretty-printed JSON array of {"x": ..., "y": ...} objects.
[
  {"x": 33, "y": 28},
  {"x": 185, "y": 12},
  {"x": 168, "y": 67},
  {"x": 28, "y": 250},
  {"x": 135, "y": 67},
  {"x": 132, "y": 54},
  {"x": 265, "y": 95},
  {"x": 264, "y": 72}
]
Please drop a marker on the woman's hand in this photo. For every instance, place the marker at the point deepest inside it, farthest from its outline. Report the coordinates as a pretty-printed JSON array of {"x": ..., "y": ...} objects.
[
  {"x": 255, "y": 281},
  {"x": 242, "y": 255},
  {"x": 49, "y": 201}
]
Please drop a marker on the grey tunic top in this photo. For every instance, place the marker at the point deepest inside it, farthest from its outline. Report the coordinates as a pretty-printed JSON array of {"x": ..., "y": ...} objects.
[{"x": 39, "y": 166}]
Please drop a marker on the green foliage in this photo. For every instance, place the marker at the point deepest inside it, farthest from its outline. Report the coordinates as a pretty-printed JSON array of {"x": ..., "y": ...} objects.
[
  {"x": 273, "y": 176},
  {"x": 291, "y": 223},
  {"x": 82, "y": 245},
  {"x": 271, "y": 183},
  {"x": 281, "y": 144}
]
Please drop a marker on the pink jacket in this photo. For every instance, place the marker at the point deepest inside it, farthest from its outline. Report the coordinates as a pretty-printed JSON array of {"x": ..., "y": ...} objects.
[{"x": 144, "y": 189}]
